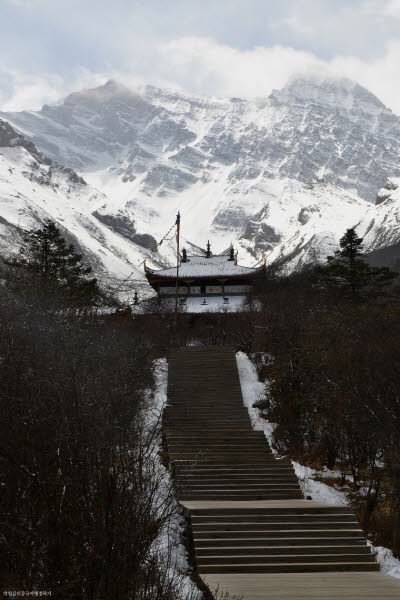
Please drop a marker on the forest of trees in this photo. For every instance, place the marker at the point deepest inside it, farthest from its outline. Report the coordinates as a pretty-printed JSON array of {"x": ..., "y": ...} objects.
[
  {"x": 84, "y": 502},
  {"x": 332, "y": 333}
]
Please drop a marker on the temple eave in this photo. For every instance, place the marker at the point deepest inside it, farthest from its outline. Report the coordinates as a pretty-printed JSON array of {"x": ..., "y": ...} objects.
[{"x": 153, "y": 277}]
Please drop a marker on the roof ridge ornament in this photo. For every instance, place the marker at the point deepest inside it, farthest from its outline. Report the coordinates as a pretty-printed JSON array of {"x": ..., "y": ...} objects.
[{"x": 208, "y": 254}]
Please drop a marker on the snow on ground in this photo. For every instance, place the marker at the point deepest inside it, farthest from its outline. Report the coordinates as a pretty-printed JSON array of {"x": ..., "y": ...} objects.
[
  {"x": 195, "y": 304},
  {"x": 170, "y": 545},
  {"x": 389, "y": 564},
  {"x": 254, "y": 390},
  {"x": 318, "y": 491}
]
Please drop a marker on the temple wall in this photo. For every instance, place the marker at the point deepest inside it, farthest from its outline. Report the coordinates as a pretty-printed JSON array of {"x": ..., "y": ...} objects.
[
  {"x": 237, "y": 289},
  {"x": 210, "y": 289},
  {"x": 213, "y": 289},
  {"x": 171, "y": 290}
]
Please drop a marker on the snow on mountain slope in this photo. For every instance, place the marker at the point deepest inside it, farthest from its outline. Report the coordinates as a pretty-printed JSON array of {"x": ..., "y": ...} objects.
[
  {"x": 33, "y": 188},
  {"x": 380, "y": 226},
  {"x": 283, "y": 175}
]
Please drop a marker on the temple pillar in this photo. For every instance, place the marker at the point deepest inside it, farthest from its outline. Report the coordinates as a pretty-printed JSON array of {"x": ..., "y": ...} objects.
[
  {"x": 222, "y": 282},
  {"x": 188, "y": 285}
]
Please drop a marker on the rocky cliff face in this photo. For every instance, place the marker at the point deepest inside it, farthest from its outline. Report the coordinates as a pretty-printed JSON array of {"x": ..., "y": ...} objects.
[
  {"x": 283, "y": 175},
  {"x": 380, "y": 226},
  {"x": 34, "y": 187}
]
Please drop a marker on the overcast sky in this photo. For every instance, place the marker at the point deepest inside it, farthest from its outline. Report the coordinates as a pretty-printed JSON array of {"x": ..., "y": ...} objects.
[{"x": 209, "y": 47}]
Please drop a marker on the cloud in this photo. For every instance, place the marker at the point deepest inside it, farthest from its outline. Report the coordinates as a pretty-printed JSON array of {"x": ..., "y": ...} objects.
[
  {"x": 380, "y": 75},
  {"x": 23, "y": 3},
  {"x": 389, "y": 8},
  {"x": 20, "y": 90},
  {"x": 203, "y": 66},
  {"x": 205, "y": 47}
]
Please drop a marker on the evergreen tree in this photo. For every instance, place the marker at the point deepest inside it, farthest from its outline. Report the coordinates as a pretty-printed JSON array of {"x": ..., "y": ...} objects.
[
  {"x": 350, "y": 247},
  {"x": 348, "y": 270},
  {"x": 347, "y": 263},
  {"x": 47, "y": 254}
]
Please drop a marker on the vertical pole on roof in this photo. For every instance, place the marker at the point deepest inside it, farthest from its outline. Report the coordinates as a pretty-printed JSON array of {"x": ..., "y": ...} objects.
[{"x": 178, "y": 231}]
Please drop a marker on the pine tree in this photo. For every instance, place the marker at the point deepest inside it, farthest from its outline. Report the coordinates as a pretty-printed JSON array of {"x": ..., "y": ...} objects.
[
  {"x": 47, "y": 254},
  {"x": 347, "y": 262},
  {"x": 348, "y": 270},
  {"x": 351, "y": 246}
]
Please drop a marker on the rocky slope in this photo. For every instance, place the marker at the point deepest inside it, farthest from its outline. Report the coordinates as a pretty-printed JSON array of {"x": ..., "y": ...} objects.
[
  {"x": 33, "y": 187},
  {"x": 380, "y": 226},
  {"x": 283, "y": 175}
]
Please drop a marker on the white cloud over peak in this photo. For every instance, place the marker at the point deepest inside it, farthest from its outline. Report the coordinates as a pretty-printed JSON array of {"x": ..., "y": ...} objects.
[
  {"x": 206, "y": 47},
  {"x": 20, "y": 90},
  {"x": 391, "y": 8},
  {"x": 203, "y": 66}
]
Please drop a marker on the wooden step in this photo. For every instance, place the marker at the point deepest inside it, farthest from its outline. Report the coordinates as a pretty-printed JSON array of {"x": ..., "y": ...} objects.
[
  {"x": 277, "y": 559},
  {"x": 240, "y": 495},
  {"x": 203, "y": 437},
  {"x": 272, "y": 518},
  {"x": 210, "y": 461},
  {"x": 212, "y": 427},
  {"x": 181, "y": 480},
  {"x": 275, "y": 526},
  {"x": 263, "y": 542},
  {"x": 231, "y": 470},
  {"x": 258, "y": 484},
  {"x": 185, "y": 468},
  {"x": 282, "y": 550},
  {"x": 278, "y": 533},
  {"x": 216, "y": 455},
  {"x": 216, "y": 445},
  {"x": 285, "y": 510},
  {"x": 300, "y": 567}
]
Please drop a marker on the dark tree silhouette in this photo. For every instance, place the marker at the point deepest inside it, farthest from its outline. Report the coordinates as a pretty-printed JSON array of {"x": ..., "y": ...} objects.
[
  {"x": 347, "y": 270},
  {"x": 47, "y": 254},
  {"x": 86, "y": 509},
  {"x": 350, "y": 246}
]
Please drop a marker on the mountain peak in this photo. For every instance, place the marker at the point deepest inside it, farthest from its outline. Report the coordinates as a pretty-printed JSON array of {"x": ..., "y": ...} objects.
[
  {"x": 338, "y": 92},
  {"x": 107, "y": 91}
]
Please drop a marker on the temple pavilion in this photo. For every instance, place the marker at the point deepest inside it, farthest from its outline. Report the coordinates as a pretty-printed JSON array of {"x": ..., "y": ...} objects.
[{"x": 205, "y": 282}]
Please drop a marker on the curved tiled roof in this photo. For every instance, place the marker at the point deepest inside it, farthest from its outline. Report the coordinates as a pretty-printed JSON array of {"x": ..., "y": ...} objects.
[{"x": 201, "y": 266}]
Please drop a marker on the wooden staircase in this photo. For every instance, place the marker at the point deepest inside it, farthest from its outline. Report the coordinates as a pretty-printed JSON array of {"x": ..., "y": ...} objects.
[
  {"x": 246, "y": 508},
  {"x": 279, "y": 540},
  {"x": 215, "y": 453}
]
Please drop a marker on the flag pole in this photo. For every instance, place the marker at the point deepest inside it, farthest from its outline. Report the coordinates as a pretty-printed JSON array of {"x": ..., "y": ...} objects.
[{"x": 178, "y": 231}]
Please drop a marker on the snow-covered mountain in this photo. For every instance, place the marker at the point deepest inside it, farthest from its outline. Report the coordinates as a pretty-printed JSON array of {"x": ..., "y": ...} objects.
[
  {"x": 33, "y": 187},
  {"x": 380, "y": 226},
  {"x": 283, "y": 175}
]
